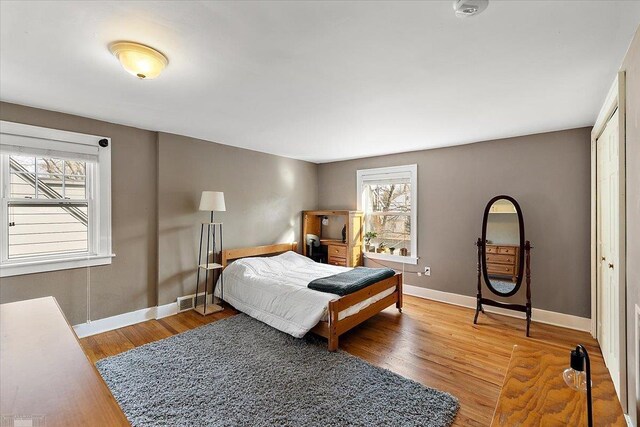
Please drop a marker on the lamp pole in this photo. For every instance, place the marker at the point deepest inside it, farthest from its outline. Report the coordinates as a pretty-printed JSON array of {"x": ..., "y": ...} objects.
[
  {"x": 579, "y": 363},
  {"x": 588, "y": 369}
]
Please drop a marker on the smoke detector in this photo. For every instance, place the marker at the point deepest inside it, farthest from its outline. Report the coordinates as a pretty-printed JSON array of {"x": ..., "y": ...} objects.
[{"x": 467, "y": 8}]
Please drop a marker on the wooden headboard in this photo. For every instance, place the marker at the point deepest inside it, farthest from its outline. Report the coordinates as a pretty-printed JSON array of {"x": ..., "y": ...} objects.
[{"x": 230, "y": 255}]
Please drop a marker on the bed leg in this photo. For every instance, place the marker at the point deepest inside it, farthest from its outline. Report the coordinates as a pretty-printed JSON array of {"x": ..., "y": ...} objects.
[
  {"x": 333, "y": 327},
  {"x": 333, "y": 342},
  {"x": 399, "y": 290}
]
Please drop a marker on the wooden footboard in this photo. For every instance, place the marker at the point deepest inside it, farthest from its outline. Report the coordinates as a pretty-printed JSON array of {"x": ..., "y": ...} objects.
[{"x": 333, "y": 328}]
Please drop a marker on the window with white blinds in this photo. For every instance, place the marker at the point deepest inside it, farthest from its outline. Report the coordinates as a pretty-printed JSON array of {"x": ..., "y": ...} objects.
[
  {"x": 56, "y": 199},
  {"x": 388, "y": 198}
]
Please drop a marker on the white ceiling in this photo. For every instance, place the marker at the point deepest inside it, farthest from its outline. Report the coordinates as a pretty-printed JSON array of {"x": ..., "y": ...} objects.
[{"x": 322, "y": 81}]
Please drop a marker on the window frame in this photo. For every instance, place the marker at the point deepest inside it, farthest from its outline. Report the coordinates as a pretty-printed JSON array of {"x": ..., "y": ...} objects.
[
  {"x": 364, "y": 175},
  {"x": 98, "y": 196}
]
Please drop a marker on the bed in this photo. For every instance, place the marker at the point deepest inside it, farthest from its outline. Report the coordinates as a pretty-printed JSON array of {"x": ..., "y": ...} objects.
[{"x": 270, "y": 282}]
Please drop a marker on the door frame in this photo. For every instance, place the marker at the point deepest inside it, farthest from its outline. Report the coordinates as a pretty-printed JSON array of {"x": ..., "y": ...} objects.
[{"x": 615, "y": 100}]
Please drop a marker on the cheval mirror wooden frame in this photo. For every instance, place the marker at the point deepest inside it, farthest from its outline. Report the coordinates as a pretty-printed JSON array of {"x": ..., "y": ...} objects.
[{"x": 524, "y": 259}]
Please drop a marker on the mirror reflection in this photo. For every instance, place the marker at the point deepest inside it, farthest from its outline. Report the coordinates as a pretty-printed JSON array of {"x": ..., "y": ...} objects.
[{"x": 502, "y": 246}]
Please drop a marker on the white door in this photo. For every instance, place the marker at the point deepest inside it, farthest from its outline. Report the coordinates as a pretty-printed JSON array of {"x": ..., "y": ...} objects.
[{"x": 608, "y": 232}]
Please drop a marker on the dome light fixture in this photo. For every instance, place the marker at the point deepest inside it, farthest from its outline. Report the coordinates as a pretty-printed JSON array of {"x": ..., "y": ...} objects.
[
  {"x": 139, "y": 60},
  {"x": 467, "y": 8}
]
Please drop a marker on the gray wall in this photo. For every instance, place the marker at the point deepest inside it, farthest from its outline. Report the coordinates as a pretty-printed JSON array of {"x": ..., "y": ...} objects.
[
  {"x": 632, "y": 67},
  {"x": 129, "y": 283},
  {"x": 548, "y": 174},
  {"x": 264, "y": 195},
  {"x": 156, "y": 183}
]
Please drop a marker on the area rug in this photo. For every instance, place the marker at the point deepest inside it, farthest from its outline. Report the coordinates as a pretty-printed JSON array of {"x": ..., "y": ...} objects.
[{"x": 241, "y": 372}]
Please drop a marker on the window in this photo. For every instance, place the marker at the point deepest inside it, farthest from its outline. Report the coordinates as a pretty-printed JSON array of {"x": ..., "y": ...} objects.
[
  {"x": 388, "y": 198},
  {"x": 56, "y": 200}
]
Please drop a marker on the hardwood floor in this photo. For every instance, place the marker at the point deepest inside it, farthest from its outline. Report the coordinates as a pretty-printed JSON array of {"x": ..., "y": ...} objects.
[{"x": 433, "y": 343}]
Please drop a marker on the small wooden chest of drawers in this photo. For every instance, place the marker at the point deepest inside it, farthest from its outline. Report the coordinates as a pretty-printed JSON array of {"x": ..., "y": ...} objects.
[
  {"x": 502, "y": 260},
  {"x": 337, "y": 255}
]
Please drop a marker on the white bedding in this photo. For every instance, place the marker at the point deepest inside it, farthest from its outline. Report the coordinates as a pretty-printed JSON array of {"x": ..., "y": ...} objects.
[{"x": 274, "y": 291}]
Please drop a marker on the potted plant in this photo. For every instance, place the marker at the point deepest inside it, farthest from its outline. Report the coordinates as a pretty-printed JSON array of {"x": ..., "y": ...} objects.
[
  {"x": 367, "y": 239},
  {"x": 381, "y": 248}
]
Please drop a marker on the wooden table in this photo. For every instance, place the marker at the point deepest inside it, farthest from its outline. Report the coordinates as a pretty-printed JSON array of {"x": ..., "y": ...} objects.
[
  {"x": 535, "y": 394},
  {"x": 44, "y": 374}
]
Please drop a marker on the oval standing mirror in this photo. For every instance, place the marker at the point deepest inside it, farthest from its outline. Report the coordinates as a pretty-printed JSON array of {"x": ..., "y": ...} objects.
[{"x": 503, "y": 237}]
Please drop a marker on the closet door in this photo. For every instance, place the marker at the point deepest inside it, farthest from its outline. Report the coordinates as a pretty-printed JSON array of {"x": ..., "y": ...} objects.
[{"x": 608, "y": 231}]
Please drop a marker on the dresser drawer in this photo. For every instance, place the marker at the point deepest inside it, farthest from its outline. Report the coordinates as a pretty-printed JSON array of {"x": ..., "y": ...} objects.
[
  {"x": 501, "y": 259},
  {"x": 337, "y": 251},
  {"x": 492, "y": 249},
  {"x": 506, "y": 250},
  {"x": 500, "y": 269},
  {"x": 337, "y": 261}
]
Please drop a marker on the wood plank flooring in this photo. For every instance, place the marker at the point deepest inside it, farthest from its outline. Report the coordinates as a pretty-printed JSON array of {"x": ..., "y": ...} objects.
[{"x": 433, "y": 343}]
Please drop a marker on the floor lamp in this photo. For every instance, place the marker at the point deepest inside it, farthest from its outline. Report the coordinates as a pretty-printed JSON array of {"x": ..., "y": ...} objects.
[{"x": 211, "y": 201}]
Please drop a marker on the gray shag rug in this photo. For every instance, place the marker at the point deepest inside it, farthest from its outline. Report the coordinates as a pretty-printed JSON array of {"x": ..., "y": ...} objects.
[
  {"x": 241, "y": 372},
  {"x": 503, "y": 286}
]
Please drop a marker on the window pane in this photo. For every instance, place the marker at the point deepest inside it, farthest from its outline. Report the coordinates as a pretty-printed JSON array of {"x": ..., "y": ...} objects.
[
  {"x": 45, "y": 230},
  {"x": 387, "y": 206},
  {"x": 48, "y": 165},
  {"x": 74, "y": 167},
  {"x": 392, "y": 230},
  {"x": 22, "y": 164},
  {"x": 75, "y": 187},
  {"x": 22, "y": 185},
  {"x": 388, "y": 197},
  {"x": 49, "y": 186}
]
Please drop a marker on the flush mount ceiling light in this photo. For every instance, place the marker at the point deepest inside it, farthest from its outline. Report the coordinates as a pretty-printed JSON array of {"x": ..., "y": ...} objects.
[
  {"x": 467, "y": 8},
  {"x": 142, "y": 61}
]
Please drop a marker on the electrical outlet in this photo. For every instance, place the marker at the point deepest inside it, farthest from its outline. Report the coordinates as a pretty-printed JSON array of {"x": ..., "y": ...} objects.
[{"x": 427, "y": 271}]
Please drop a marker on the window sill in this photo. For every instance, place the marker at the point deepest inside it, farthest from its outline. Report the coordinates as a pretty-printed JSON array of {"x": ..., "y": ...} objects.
[
  {"x": 392, "y": 258},
  {"x": 19, "y": 268}
]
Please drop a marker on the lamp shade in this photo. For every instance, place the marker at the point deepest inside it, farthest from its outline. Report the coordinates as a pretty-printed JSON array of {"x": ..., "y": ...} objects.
[{"x": 212, "y": 201}]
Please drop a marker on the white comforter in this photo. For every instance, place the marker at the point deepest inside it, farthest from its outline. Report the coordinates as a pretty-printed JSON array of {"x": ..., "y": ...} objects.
[{"x": 274, "y": 291}]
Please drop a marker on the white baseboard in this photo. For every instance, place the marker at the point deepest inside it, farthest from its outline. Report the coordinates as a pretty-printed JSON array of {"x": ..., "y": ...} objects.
[
  {"x": 543, "y": 316},
  {"x": 126, "y": 319},
  {"x": 166, "y": 310},
  {"x": 114, "y": 322},
  {"x": 538, "y": 315}
]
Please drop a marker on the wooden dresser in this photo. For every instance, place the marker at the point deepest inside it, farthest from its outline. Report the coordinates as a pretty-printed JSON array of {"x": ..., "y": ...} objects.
[
  {"x": 534, "y": 392},
  {"x": 502, "y": 260},
  {"x": 346, "y": 254},
  {"x": 46, "y": 377}
]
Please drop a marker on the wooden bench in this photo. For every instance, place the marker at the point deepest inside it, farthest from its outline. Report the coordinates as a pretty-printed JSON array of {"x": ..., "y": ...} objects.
[
  {"x": 534, "y": 392},
  {"x": 46, "y": 377}
]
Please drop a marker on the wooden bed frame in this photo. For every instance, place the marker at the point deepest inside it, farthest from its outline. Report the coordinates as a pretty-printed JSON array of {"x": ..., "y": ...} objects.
[{"x": 333, "y": 328}]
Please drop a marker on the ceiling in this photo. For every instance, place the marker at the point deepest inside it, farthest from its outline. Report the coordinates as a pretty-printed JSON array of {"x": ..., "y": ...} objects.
[{"x": 322, "y": 81}]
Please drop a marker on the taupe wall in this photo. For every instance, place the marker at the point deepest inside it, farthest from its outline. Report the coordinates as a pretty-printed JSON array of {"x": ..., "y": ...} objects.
[
  {"x": 129, "y": 283},
  {"x": 632, "y": 67},
  {"x": 156, "y": 183},
  {"x": 547, "y": 173},
  {"x": 264, "y": 195}
]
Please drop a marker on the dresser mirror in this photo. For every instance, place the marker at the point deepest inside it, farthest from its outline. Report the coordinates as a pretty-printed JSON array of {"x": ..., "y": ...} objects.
[
  {"x": 503, "y": 234},
  {"x": 503, "y": 256}
]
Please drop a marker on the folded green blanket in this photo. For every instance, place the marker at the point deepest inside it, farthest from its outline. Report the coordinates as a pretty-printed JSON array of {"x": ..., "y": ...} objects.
[{"x": 350, "y": 281}]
